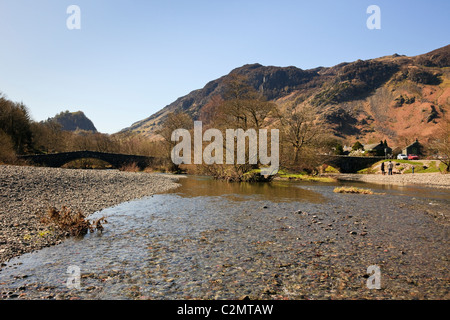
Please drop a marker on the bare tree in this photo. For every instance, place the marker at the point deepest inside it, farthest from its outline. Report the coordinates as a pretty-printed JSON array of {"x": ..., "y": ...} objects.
[
  {"x": 210, "y": 113},
  {"x": 172, "y": 122},
  {"x": 442, "y": 142},
  {"x": 300, "y": 129},
  {"x": 244, "y": 107}
]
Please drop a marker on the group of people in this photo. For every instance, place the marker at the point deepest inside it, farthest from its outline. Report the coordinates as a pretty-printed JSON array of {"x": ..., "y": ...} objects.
[{"x": 390, "y": 167}]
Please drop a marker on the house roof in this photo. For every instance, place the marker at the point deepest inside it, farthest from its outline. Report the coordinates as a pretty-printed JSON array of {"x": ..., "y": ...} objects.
[
  {"x": 413, "y": 144},
  {"x": 372, "y": 146}
]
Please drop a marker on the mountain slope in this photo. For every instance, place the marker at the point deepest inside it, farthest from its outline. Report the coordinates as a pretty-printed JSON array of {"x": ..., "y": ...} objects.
[{"x": 384, "y": 98}]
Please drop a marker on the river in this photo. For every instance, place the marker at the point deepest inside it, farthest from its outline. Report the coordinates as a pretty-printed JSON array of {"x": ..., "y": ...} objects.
[{"x": 281, "y": 240}]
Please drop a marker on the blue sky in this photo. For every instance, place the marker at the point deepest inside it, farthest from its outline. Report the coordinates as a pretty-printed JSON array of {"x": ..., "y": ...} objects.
[{"x": 131, "y": 58}]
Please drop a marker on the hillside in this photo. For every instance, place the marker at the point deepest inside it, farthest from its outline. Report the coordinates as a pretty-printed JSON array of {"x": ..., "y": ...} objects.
[
  {"x": 385, "y": 98},
  {"x": 73, "y": 121}
]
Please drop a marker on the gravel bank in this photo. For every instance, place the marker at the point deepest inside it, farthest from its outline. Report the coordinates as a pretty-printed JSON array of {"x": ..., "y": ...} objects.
[
  {"x": 27, "y": 192},
  {"x": 435, "y": 180}
]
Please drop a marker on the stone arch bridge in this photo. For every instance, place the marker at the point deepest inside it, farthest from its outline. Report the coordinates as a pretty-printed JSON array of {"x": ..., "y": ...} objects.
[
  {"x": 115, "y": 159},
  {"x": 345, "y": 164}
]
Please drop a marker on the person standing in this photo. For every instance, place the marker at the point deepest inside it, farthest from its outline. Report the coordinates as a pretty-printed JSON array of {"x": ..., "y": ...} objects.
[
  {"x": 382, "y": 169},
  {"x": 390, "y": 167}
]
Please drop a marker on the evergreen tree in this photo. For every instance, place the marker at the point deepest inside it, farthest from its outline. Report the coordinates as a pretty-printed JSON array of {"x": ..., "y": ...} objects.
[{"x": 358, "y": 146}]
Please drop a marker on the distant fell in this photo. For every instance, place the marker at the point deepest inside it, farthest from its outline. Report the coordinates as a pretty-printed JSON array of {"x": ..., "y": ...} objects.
[{"x": 73, "y": 121}]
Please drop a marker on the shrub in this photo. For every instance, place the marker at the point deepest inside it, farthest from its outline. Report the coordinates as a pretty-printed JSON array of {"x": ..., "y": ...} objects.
[
  {"x": 73, "y": 223},
  {"x": 357, "y": 146},
  {"x": 423, "y": 76},
  {"x": 339, "y": 149},
  {"x": 130, "y": 167},
  {"x": 255, "y": 176}
]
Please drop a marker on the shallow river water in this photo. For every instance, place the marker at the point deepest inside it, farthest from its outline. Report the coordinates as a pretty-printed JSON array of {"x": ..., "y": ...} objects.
[{"x": 281, "y": 240}]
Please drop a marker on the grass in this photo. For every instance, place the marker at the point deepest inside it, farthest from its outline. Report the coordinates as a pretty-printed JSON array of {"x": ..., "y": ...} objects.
[
  {"x": 405, "y": 167},
  {"x": 75, "y": 224},
  {"x": 330, "y": 169},
  {"x": 432, "y": 168},
  {"x": 367, "y": 171},
  {"x": 416, "y": 163},
  {"x": 44, "y": 233},
  {"x": 41, "y": 234},
  {"x": 352, "y": 190},
  {"x": 303, "y": 177}
]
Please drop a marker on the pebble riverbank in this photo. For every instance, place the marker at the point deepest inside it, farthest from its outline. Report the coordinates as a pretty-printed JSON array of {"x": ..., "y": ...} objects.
[{"x": 26, "y": 193}]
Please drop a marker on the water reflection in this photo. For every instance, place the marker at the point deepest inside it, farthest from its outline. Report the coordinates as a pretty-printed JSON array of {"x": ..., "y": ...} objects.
[
  {"x": 275, "y": 191},
  {"x": 288, "y": 191}
]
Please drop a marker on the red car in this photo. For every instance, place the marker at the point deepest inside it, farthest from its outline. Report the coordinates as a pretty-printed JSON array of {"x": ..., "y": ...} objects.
[{"x": 412, "y": 157}]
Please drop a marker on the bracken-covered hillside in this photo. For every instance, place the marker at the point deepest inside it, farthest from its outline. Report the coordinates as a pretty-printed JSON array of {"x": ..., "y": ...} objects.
[{"x": 396, "y": 97}]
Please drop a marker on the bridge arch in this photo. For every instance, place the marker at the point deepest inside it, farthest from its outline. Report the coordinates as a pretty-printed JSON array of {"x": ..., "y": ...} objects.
[
  {"x": 349, "y": 164},
  {"x": 87, "y": 163}
]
